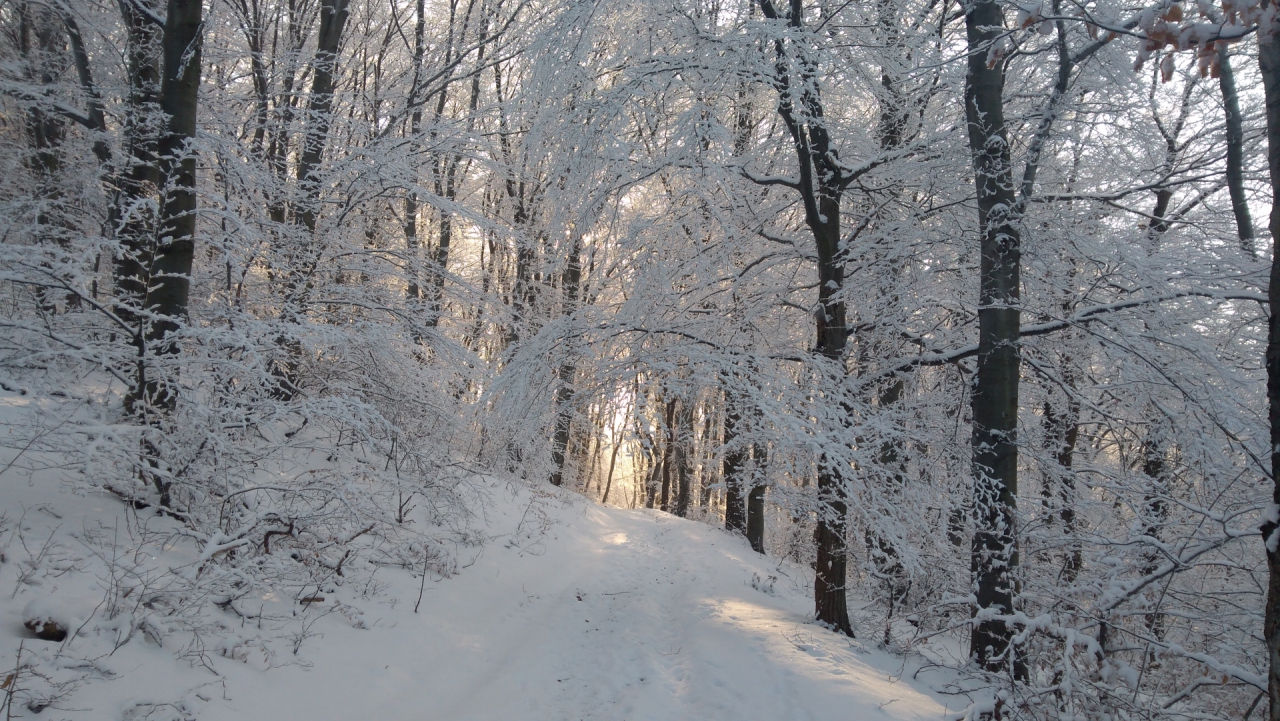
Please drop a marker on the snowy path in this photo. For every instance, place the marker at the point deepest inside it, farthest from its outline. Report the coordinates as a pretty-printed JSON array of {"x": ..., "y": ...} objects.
[{"x": 611, "y": 615}]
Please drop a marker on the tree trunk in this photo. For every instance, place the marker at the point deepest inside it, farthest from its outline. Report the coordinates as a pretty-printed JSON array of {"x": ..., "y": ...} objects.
[
  {"x": 571, "y": 279},
  {"x": 585, "y": 460},
  {"x": 301, "y": 263},
  {"x": 154, "y": 270},
  {"x": 651, "y": 482},
  {"x": 1062, "y": 431},
  {"x": 130, "y": 220},
  {"x": 995, "y": 391},
  {"x": 415, "y": 121},
  {"x": 1160, "y": 215},
  {"x": 175, "y": 250},
  {"x": 613, "y": 460},
  {"x": 895, "y": 115},
  {"x": 668, "y": 450},
  {"x": 735, "y": 516},
  {"x": 96, "y": 116},
  {"x": 1269, "y": 63},
  {"x": 333, "y": 18},
  {"x": 682, "y": 458},
  {"x": 523, "y": 292},
  {"x": 1235, "y": 152},
  {"x": 647, "y": 456},
  {"x": 45, "y": 130},
  {"x": 885, "y": 559},
  {"x": 286, "y": 105},
  {"x": 755, "y": 498},
  {"x": 1155, "y": 509},
  {"x": 706, "y": 475},
  {"x": 93, "y": 99},
  {"x": 446, "y": 175},
  {"x": 564, "y": 418},
  {"x": 42, "y": 51},
  {"x": 821, "y": 185}
]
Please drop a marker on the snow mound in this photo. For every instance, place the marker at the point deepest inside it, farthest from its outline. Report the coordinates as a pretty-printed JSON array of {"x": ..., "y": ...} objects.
[{"x": 48, "y": 618}]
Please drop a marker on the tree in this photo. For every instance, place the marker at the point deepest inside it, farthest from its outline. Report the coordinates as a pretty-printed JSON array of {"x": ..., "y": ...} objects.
[
  {"x": 1269, "y": 63},
  {"x": 821, "y": 182},
  {"x": 995, "y": 392},
  {"x": 755, "y": 497}
]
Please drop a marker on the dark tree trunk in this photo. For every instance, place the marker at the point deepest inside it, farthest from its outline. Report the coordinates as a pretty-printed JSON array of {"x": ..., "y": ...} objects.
[
  {"x": 582, "y": 442},
  {"x": 415, "y": 122},
  {"x": 523, "y": 292},
  {"x": 895, "y": 115},
  {"x": 1062, "y": 431},
  {"x": 884, "y": 554},
  {"x": 821, "y": 185},
  {"x": 707, "y": 475},
  {"x": 1160, "y": 215},
  {"x": 301, "y": 263},
  {"x": 253, "y": 23},
  {"x": 995, "y": 391},
  {"x": 41, "y": 44},
  {"x": 286, "y": 104},
  {"x": 571, "y": 281},
  {"x": 735, "y": 455},
  {"x": 560, "y": 437},
  {"x": 1235, "y": 152},
  {"x": 43, "y": 53},
  {"x": 833, "y": 335},
  {"x": 682, "y": 458},
  {"x": 170, "y": 272},
  {"x": 651, "y": 483},
  {"x": 668, "y": 450},
  {"x": 333, "y": 18},
  {"x": 1269, "y": 62},
  {"x": 755, "y": 498},
  {"x": 153, "y": 271},
  {"x": 96, "y": 114},
  {"x": 446, "y": 175},
  {"x": 647, "y": 442},
  {"x": 97, "y": 123},
  {"x": 132, "y": 224},
  {"x": 613, "y": 460},
  {"x": 731, "y": 468},
  {"x": 1155, "y": 507}
]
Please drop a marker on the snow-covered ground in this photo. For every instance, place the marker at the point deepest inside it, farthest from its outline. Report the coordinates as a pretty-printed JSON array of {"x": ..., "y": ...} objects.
[{"x": 567, "y": 611}]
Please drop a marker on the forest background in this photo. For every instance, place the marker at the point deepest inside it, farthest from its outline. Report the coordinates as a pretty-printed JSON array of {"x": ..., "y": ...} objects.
[{"x": 961, "y": 304}]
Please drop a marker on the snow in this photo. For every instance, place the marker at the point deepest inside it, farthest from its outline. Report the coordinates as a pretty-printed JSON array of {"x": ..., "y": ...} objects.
[
  {"x": 611, "y": 614},
  {"x": 567, "y": 610},
  {"x": 46, "y": 609}
]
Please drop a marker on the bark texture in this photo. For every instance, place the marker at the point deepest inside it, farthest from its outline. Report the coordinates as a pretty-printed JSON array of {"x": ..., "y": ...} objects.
[{"x": 995, "y": 390}]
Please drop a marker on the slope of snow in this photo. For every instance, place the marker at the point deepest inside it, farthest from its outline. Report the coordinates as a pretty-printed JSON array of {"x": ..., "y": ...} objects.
[
  {"x": 603, "y": 614},
  {"x": 567, "y": 610}
]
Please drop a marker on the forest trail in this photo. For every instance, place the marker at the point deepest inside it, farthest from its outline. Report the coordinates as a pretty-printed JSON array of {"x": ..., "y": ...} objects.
[{"x": 600, "y": 613}]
